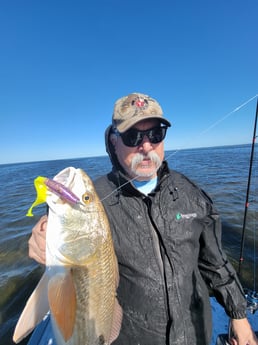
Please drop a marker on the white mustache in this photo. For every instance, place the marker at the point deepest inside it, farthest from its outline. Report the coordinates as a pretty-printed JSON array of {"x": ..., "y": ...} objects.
[{"x": 139, "y": 157}]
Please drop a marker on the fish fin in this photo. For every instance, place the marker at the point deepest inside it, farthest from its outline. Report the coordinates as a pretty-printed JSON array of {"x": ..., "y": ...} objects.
[
  {"x": 117, "y": 321},
  {"x": 62, "y": 302},
  {"x": 34, "y": 310}
]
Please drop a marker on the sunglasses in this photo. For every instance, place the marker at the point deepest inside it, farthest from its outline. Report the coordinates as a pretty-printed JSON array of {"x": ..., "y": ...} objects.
[{"x": 134, "y": 137}]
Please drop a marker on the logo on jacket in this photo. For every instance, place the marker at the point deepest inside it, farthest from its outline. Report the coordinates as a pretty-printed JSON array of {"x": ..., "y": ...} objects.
[{"x": 185, "y": 216}]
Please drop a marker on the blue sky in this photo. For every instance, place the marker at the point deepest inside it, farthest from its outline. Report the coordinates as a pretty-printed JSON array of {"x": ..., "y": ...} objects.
[{"x": 64, "y": 63}]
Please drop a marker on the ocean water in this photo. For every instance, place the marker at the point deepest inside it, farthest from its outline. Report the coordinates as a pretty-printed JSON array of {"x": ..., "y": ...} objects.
[{"x": 221, "y": 171}]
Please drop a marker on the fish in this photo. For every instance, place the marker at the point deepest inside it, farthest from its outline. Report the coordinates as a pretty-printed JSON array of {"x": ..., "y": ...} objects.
[{"x": 81, "y": 277}]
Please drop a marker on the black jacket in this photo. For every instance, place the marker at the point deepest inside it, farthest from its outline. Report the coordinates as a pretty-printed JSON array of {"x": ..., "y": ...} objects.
[{"x": 168, "y": 246}]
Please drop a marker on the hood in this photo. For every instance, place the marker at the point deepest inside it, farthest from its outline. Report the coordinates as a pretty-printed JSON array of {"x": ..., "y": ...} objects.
[{"x": 111, "y": 152}]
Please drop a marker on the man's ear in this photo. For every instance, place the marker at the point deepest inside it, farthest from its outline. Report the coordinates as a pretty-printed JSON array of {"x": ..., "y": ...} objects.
[{"x": 113, "y": 139}]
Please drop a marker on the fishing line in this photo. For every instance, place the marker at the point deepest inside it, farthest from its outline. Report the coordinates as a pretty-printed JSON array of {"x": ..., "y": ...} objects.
[
  {"x": 198, "y": 135},
  {"x": 215, "y": 124},
  {"x": 115, "y": 190}
]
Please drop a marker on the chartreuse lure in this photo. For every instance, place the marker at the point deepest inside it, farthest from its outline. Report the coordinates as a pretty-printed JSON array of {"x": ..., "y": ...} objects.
[{"x": 43, "y": 184}]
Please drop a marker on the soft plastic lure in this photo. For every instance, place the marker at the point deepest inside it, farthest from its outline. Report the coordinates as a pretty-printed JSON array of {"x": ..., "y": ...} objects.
[{"x": 43, "y": 184}]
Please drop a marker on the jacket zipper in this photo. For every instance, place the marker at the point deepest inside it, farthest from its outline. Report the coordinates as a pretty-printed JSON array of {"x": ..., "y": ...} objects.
[{"x": 160, "y": 254}]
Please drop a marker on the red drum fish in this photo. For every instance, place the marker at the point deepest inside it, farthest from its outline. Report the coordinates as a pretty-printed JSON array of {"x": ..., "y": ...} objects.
[{"x": 81, "y": 277}]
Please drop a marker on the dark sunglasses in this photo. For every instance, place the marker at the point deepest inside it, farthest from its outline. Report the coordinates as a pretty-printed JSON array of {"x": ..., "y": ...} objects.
[{"x": 134, "y": 137}]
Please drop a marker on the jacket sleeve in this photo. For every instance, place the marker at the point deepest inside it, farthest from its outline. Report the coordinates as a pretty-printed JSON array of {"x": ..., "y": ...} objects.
[{"x": 217, "y": 271}]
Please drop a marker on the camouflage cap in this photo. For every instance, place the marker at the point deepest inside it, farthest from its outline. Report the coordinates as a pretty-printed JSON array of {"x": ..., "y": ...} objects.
[{"x": 134, "y": 108}]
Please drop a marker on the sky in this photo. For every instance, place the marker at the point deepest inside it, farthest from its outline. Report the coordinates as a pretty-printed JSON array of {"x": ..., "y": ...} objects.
[{"x": 64, "y": 63}]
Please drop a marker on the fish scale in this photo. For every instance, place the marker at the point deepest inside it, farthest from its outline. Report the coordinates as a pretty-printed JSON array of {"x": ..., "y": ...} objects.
[{"x": 94, "y": 293}]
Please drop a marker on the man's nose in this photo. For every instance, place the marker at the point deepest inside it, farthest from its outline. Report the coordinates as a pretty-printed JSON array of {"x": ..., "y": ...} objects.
[{"x": 146, "y": 145}]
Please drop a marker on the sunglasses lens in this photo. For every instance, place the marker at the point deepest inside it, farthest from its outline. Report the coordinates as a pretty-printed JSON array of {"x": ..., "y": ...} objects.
[
  {"x": 134, "y": 137},
  {"x": 156, "y": 135}
]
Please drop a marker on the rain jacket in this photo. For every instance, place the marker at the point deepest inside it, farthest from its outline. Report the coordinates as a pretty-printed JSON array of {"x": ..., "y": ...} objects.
[{"x": 168, "y": 246}]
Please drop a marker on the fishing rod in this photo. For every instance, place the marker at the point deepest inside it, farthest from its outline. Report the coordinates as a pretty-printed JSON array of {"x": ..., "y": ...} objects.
[
  {"x": 241, "y": 259},
  {"x": 251, "y": 296}
]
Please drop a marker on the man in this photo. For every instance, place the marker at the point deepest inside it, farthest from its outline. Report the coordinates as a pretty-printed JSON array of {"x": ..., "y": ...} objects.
[{"x": 167, "y": 237}]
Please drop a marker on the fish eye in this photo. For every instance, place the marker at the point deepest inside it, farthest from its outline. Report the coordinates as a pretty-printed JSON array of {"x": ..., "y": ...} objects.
[{"x": 87, "y": 198}]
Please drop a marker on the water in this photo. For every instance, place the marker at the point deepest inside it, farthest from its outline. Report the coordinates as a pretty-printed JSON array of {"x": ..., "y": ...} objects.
[{"x": 221, "y": 171}]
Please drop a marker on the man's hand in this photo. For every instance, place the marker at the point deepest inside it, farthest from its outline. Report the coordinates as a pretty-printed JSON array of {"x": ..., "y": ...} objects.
[
  {"x": 242, "y": 333},
  {"x": 37, "y": 241}
]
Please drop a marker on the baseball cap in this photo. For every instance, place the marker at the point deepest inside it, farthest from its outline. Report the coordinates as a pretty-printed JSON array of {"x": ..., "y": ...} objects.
[{"x": 134, "y": 108}]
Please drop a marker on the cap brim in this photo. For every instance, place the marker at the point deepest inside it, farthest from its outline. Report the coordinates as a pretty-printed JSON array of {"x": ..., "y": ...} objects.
[{"x": 125, "y": 125}]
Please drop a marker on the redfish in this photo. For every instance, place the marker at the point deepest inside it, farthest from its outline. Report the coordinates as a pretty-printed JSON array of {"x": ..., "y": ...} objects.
[{"x": 81, "y": 277}]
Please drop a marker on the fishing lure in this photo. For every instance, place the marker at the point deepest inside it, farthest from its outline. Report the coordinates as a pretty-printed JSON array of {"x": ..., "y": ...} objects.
[{"x": 43, "y": 184}]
